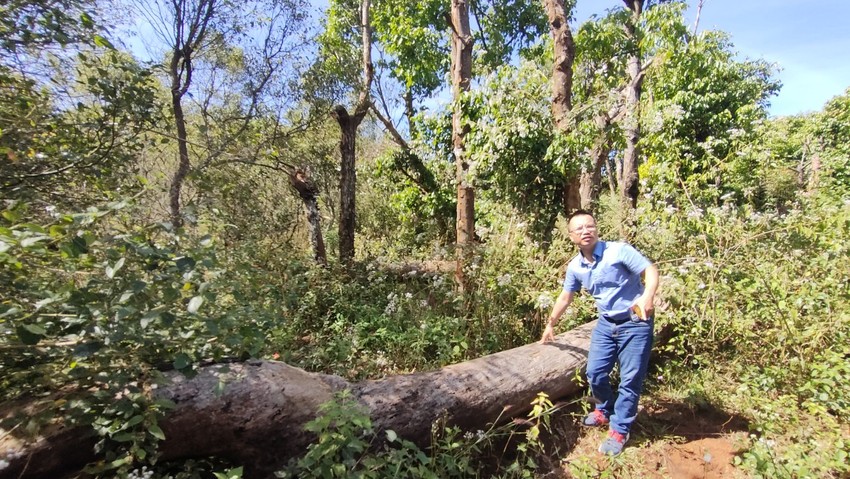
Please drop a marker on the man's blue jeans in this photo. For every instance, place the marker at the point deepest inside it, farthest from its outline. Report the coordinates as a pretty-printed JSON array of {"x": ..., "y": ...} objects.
[{"x": 628, "y": 343}]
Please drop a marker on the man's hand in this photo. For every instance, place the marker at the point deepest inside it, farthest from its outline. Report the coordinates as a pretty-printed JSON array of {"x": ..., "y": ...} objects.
[
  {"x": 647, "y": 301},
  {"x": 647, "y": 307},
  {"x": 548, "y": 334}
]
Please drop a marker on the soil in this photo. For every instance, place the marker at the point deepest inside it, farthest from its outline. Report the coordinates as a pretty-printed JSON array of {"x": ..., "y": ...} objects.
[{"x": 674, "y": 440}]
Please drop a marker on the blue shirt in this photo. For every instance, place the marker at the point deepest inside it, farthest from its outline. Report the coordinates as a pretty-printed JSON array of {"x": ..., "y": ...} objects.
[{"x": 613, "y": 278}]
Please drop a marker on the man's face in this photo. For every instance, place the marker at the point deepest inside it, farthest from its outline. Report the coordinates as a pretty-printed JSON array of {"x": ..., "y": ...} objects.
[{"x": 583, "y": 230}]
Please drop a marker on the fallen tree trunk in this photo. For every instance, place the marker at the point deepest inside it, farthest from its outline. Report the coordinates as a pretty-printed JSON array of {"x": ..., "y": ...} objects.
[{"x": 258, "y": 420}]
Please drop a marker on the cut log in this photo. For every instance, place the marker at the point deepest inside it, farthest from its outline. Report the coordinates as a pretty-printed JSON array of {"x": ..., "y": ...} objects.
[{"x": 258, "y": 420}]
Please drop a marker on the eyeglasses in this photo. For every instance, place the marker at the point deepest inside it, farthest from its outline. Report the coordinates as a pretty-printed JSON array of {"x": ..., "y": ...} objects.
[{"x": 582, "y": 228}]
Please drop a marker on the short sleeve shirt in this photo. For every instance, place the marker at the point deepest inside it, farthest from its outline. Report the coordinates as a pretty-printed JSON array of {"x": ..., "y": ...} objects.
[{"x": 613, "y": 278}]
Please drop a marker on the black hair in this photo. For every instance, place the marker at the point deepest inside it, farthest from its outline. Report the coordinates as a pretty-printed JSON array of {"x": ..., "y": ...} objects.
[{"x": 579, "y": 212}]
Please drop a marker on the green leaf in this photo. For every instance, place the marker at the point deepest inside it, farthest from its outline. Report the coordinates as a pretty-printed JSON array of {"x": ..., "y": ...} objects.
[
  {"x": 100, "y": 41},
  {"x": 391, "y": 435},
  {"x": 27, "y": 242},
  {"x": 133, "y": 421},
  {"x": 27, "y": 337},
  {"x": 156, "y": 432},
  {"x": 181, "y": 361},
  {"x": 35, "y": 329},
  {"x": 111, "y": 270},
  {"x": 123, "y": 437}
]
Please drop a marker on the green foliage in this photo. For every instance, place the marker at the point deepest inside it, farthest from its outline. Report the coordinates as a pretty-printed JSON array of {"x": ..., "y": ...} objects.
[
  {"x": 28, "y": 26},
  {"x": 90, "y": 319},
  {"x": 347, "y": 445},
  {"x": 510, "y": 142},
  {"x": 704, "y": 107},
  {"x": 52, "y": 149},
  {"x": 764, "y": 298},
  {"x": 420, "y": 195},
  {"x": 413, "y": 33}
]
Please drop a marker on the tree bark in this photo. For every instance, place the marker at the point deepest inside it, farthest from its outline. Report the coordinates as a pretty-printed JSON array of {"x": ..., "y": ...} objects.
[
  {"x": 348, "y": 125},
  {"x": 309, "y": 193},
  {"x": 562, "y": 90},
  {"x": 183, "y": 164},
  {"x": 258, "y": 420},
  {"x": 591, "y": 177},
  {"x": 629, "y": 187},
  {"x": 462, "y": 42}
]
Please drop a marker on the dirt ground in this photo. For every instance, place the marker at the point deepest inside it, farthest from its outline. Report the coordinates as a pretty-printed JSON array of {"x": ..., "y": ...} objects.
[{"x": 670, "y": 440}]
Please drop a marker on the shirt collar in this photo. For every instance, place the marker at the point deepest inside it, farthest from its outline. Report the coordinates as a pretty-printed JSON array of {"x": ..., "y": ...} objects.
[{"x": 597, "y": 253}]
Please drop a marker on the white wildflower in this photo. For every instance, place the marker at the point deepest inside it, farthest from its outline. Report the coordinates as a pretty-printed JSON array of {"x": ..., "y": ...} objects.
[
  {"x": 544, "y": 302},
  {"x": 504, "y": 279}
]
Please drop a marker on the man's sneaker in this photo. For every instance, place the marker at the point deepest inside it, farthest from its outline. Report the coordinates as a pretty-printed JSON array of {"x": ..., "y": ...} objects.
[
  {"x": 613, "y": 445},
  {"x": 595, "y": 418}
]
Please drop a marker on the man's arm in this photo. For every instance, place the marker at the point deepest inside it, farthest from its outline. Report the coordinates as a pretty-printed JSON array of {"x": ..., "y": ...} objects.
[
  {"x": 647, "y": 300},
  {"x": 561, "y": 305}
]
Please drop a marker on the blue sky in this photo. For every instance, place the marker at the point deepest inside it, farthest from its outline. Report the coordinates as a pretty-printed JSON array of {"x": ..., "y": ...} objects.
[{"x": 809, "y": 40}]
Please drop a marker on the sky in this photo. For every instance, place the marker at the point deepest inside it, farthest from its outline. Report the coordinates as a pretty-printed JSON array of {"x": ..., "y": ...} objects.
[{"x": 809, "y": 40}]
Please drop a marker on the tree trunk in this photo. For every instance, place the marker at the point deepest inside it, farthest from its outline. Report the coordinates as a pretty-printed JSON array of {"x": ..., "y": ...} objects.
[
  {"x": 461, "y": 77},
  {"x": 258, "y": 419},
  {"x": 592, "y": 177},
  {"x": 177, "y": 91},
  {"x": 348, "y": 125},
  {"x": 347, "y": 181},
  {"x": 309, "y": 193},
  {"x": 562, "y": 90},
  {"x": 629, "y": 187}
]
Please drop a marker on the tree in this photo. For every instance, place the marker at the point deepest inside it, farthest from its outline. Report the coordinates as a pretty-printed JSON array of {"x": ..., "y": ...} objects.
[
  {"x": 72, "y": 107},
  {"x": 562, "y": 88},
  {"x": 337, "y": 44},
  {"x": 219, "y": 37},
  {"x": 629, "y": 186},
  {"x": 462, "y": 42}
]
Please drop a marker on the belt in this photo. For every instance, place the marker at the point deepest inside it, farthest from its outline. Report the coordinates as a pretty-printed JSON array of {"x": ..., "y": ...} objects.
[{"x": 617, "y": 318}]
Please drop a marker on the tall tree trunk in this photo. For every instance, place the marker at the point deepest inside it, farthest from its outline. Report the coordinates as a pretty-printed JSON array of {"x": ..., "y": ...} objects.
[
  {"x": 191, "y": 20},
  {"x": 348, "y": 125},
  {"x": 562, "y": 90},
  {"x": 309, "y": 193},
  {"x": 591, "y": 177},
  {"x": 347, "y": 180},
  {"x": 629, "y": 186},
  {"x": 461, "y": 77},
  {"x": 183, "y": 164}
]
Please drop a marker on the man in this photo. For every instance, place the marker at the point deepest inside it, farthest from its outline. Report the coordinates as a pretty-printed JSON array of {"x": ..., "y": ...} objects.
[{"x": 611, "y": 272}]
